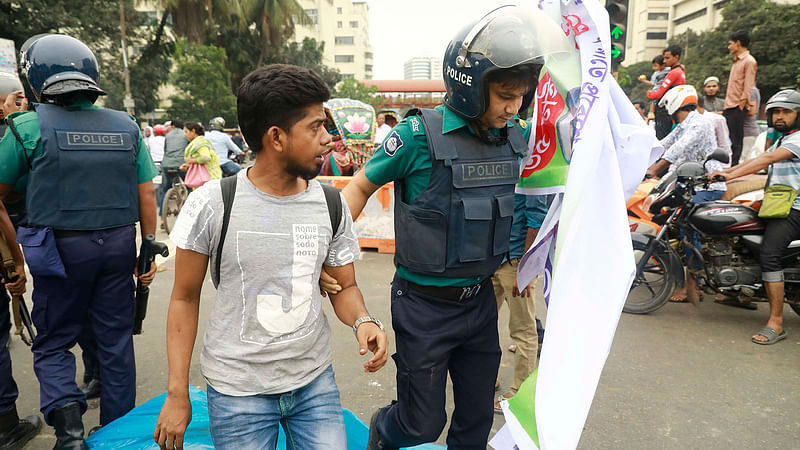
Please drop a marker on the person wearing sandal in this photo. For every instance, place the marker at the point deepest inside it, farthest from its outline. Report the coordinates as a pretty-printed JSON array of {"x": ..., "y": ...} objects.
[{"x": 783, "y": 158}]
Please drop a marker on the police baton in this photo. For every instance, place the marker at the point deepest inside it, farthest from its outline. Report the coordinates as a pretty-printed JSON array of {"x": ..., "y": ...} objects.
[
  {"x": 8, "y": 273},
  {"x": 147, "y": 254}
]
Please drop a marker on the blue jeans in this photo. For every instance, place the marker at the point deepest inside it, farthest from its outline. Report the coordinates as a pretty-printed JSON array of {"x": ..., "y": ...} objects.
[
  {"x": 230, "y": 168},
  {"x": 310, "y": 416},
  {"x": 700, "y": 197}
]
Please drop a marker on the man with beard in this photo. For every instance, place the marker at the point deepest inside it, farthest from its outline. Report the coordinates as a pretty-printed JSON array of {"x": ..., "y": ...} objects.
[
  {"x": 266, "y": 355},
  {"x": 783, "y": 160},
  {"x": 712, "y": 103}
]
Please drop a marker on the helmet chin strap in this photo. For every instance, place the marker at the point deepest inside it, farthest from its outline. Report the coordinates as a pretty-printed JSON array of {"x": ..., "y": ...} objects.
[{"x": 491, "y": 139}]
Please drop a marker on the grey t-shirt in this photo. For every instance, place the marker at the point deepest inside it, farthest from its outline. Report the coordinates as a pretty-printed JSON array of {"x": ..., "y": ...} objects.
[
  {"x": 267, "y": 332},
  {"x": 174, "y": 146}
]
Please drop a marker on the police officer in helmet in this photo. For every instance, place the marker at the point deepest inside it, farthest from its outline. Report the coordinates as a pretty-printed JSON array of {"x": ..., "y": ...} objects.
[
  {"x": 455, "y": 168},
  {"x": 89, "y": 182}
]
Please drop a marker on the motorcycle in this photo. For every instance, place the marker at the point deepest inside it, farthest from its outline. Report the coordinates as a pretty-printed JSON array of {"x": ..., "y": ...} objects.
[{"x": 730, "y": 235}]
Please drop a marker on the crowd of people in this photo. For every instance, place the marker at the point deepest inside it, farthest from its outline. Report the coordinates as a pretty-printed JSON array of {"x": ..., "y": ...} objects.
[
  {"x": 691, "y": 126},
  {"x": 266, "y": 355}
]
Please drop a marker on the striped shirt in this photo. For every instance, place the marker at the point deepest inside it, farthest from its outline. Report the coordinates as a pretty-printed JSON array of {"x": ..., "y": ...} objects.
[{"x": 787, "y": 171}]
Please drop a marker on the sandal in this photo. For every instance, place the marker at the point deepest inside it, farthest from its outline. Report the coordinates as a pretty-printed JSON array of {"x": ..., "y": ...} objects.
[
  {"x": 771, "y": 335},
  {"x": 497, "y": 408}
]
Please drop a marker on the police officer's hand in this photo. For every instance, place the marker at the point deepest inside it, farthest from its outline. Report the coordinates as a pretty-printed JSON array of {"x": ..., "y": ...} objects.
[
  {"x": 172, "y": 422},
  {"x": 18, "y": 286},
  {"x": 524, "y": 293},
  {"x": 371, "y": 337},
  {"x": 328, "y": 284},
  {"x": 148, "y": 277},
  {"x": 15, "y": 102}
]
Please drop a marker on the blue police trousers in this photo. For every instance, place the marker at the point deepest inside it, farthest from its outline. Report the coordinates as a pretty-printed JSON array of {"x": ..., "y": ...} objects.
[
  {"x": 8, "y": 388},
  {"x": 435, "y": 337},
  {"x": 99, "y": 283}
]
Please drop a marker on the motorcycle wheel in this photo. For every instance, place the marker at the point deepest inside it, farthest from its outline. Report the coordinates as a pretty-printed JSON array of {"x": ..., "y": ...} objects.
[
  {"x": 651, "y": 291},
  {"x": 170, "y": 208}
]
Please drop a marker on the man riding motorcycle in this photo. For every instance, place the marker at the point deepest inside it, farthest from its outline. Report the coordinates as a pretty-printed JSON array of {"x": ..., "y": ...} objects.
[
  {"x": 691, "y": 140},
  {"x": 783, "y": 159}
]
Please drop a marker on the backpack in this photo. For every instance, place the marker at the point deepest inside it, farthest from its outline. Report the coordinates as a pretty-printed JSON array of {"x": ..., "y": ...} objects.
[{"x": 228, "y": 185}]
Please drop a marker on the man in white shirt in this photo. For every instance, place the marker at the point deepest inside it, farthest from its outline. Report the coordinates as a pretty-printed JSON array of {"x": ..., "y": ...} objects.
[
  {"x": 383, "y": 129},
  {"x": 222, "y": 145}
]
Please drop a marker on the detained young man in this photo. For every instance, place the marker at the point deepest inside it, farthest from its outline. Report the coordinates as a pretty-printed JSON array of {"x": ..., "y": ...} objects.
[{"x": 266, "y": 355}]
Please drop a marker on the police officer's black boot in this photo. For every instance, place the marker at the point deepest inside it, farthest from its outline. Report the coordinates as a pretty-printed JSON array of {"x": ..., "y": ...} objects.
[
  {"x": 69, "y": 427},
  {"x": 14, "y": 433},
  {"x": 374, "y": 440}
]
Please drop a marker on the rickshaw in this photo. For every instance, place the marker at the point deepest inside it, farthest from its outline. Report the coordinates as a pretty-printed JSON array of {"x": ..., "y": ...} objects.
[{"x": 352, "y": 125}]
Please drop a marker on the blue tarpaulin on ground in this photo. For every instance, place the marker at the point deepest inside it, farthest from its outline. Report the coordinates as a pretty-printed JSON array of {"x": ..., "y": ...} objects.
[{"x": 135, "y": 429}]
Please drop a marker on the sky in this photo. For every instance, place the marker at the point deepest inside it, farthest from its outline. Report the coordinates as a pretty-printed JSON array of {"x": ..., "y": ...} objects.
[{"x": 400, "y": 30}]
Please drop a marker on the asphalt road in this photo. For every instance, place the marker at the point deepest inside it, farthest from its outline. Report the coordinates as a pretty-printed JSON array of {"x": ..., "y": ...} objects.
[{"x": 682, "y": 377}]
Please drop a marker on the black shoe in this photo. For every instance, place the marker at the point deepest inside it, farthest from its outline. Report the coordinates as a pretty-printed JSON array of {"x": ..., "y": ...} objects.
[
  {"x": 92, "y": 388},
  {"x": 374, "y": 441},
  {"x": 69, "y": 427},
  {"x": 18, "y": 432}
]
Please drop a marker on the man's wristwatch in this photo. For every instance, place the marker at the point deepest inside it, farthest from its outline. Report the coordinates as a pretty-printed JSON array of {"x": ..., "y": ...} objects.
[{"x": 365, "y": 319}]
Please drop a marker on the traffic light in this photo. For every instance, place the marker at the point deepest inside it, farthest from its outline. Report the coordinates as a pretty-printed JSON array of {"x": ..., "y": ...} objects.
[{"x": 618, "y": 19}]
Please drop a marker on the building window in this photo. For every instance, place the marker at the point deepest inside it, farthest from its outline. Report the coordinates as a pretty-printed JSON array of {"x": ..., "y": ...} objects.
[
  {"x": 346, "y": 40},
  {"x": 353, "y": 24},
  {"x": 338, "y": 10},
  {"x": 657, "y": 16},
  {"x": 690, "y": 17},
  {"x": 657, "y": 35},
  {"x": 312, "y": 14},
  {"x": 368, "y": 68},
  {"x": 346, "y": 76},
  {"x": 339, "y": 24},
  {"x": 368, "y": 55},
  {"x": 344, "y": 58},
  {"x": 720, "y": 4}
]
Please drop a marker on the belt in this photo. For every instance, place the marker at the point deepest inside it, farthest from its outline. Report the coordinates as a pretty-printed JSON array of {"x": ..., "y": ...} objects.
[
  {"x": 453, "y": 293},
  {"x": 70, "y": 233}
]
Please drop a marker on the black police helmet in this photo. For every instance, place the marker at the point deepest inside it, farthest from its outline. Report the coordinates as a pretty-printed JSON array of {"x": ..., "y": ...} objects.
[
  {"x": 56, "y": 64},
  {"x": 507, "y": 37}
]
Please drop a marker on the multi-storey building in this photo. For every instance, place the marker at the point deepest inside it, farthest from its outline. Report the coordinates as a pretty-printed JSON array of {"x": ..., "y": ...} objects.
[
  {"x": 647, "y": 29},
  {"x": 343, "y": 25},
  {"x": 699, "y": 15},
  {"x": 423, "y": 68}
]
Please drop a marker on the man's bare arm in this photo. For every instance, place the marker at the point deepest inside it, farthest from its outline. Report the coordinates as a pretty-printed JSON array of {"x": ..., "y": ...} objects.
[
  {"x": 348, "y": 304},
  {"x": 147, "y": 208}
]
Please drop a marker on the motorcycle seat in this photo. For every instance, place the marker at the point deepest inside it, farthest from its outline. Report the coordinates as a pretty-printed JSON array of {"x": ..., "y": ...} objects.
[{"x": 757, "y": 239}]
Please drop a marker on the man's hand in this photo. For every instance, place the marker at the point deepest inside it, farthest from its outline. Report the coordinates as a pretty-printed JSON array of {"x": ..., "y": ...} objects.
[
  {"x": 18, "y": 287},
  {"x": 717, "y": 173},
  {"x": 148, "y": 277},
  {"x": 524, "y": 293},
  {"x": 371, "y": 337},
  {"x": 328, "y": 284},
  {"x": 650, "y": 173},
  {"x": 172, "y": 422},
  {"x": 743, "y": 104},
  {"x": 15, "y": 102}
]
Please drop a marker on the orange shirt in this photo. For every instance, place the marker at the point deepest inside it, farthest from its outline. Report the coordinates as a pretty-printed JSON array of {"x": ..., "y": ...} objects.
[{"x": 741, "y": 80}]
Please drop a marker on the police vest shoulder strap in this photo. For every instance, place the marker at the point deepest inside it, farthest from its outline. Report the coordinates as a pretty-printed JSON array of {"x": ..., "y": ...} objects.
[
  {"x": 21, "y": 142},
  {"x": 438, "y": 144},
  {"x": 517, "y": 140},
  {"x": 228, "y": 186}
]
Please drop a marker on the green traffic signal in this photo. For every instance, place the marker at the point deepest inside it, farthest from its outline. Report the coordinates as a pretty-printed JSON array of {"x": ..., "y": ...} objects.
[
  {"x": 615, "y": 51},
  {"x": 617, "y": 32}
]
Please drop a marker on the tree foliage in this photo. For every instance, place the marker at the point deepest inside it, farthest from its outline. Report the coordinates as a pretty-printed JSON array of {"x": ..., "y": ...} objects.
[
  {"x": 775, "y": 45},
  {"x": 97, "y": 24},
  {"x": 352, "y": 88},
  {"x": 202, "y": 82}
]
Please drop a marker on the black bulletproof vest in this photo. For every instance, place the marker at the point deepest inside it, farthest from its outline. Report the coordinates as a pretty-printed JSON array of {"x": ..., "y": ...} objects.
[
  {"x": 86, "y": 177},
  {"x": 460, "y": 225}
]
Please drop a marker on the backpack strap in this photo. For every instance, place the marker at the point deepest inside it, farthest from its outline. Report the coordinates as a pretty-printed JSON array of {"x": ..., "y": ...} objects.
[
  {"x": 228, "y": 185},
  {"x": 334, "y": 201}
]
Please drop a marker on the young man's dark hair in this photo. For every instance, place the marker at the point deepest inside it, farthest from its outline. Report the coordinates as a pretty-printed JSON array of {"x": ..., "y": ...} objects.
[
  {"x": 196, "y": 127},
  {"x": 177, "y": 123},
  {"x": 658, "y": 59},
  {"x": 276, "y": 95},
  {"x": 742, "y": 36},
  {"x": 674, "y": 49}
]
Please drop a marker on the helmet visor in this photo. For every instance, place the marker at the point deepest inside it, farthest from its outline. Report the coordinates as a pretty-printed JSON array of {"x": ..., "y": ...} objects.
[{"x": 514, "y": 35}]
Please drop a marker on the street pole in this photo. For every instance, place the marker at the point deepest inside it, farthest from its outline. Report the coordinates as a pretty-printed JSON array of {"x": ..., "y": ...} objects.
[{"x": 128, "y": 101}]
